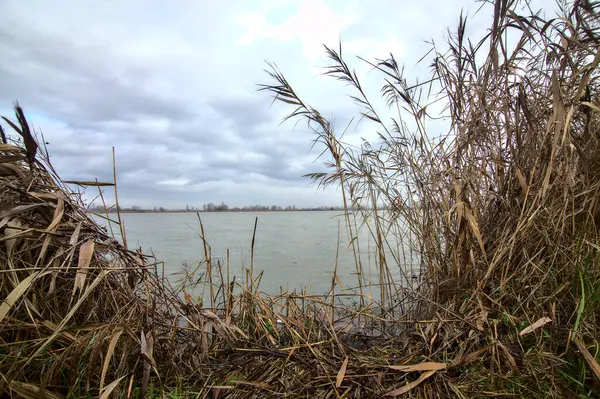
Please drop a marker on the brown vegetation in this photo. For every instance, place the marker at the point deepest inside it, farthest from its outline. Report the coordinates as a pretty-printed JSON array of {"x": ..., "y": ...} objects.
[{"x": 502, "y": 211}]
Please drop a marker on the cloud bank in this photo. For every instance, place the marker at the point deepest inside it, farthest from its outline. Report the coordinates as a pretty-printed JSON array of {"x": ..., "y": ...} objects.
[{"x": 172, "y": 86}]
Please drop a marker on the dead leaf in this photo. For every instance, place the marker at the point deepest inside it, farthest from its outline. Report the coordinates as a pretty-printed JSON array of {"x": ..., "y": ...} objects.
[
  {"x": 339, "y": 282},
  {"x": 425, "y": 366},
  {"x": 75, "y": 236},
  {"x": 30, "y": 391},
  {"x": 109, "y": 388},
  {"x": 90, "y": 183},
  {"x": 58, "y": 214},
  {"x": 16, "y": 293},
  {"x": 50, "y": 196},
  {"x": 540, "y": 323},
  {"x": 471, "y": 357},
  {"x": 56, "y": 267},
  {"x": 252, "y": 384},
  {"x": 109, "y": 353},
  {"x": 481, "y": 320},
  {"x": 592, "y": 106},
  {"x": 85, "y": 257},
  {"x": 59, "y": 211},
  {"x": 522, "y": 181},
  {"x": 9, "y": 213},
  {"x": 591, "y": 361},
  {"x": 411, "y": 385},
  {"x": 342, "y": 373},
  {"x": 475, "y": 229},
  {"x": 12, "y": 158},
  {"x": 7, "y": 169}
]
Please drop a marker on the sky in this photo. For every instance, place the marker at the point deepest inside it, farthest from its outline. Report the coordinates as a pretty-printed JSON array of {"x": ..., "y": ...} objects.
[{"x": 172, "y": 86}]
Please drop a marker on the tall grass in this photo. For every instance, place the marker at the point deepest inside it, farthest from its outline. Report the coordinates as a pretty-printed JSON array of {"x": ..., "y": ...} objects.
[
  {"x": 499, "y": 214},
  {"x": 502, "y": 209}
]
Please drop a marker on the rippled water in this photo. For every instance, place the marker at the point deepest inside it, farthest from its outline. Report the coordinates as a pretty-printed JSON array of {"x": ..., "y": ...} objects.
[{"x": 294, "y": 249}]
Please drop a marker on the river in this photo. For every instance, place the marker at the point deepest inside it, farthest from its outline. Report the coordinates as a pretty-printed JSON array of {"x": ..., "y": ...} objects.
[{"x": 295, "y": 250}]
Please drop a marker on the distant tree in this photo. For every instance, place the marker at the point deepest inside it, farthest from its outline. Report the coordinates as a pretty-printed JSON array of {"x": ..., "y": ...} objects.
[
  {"x": 136, "y": 208},
  {"x": 204, "y": 207},
  {"x": 161, "y": 209},
  {"x": 210, "y": 207}
]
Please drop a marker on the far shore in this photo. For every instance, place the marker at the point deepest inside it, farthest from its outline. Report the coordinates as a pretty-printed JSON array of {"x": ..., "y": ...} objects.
[{"x": 223, "y": 211}]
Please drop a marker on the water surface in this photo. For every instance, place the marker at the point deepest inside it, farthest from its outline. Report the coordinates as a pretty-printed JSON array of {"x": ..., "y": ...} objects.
[{"x": 294, "y": 249}]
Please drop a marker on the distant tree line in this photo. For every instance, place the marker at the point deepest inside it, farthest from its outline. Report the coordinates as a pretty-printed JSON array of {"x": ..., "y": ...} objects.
[{"x": 212, "y": 207}]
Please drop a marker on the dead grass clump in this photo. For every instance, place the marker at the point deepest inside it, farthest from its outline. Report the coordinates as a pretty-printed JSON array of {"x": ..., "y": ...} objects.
[
  {"x": 80, "y": 313},
  {"x": 501, "y": 210}
]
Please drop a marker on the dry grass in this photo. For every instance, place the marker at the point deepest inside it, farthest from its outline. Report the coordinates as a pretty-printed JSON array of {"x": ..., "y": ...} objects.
[
  {"x": 501, "y": 212},
  {"x": 502, "y": 209}
]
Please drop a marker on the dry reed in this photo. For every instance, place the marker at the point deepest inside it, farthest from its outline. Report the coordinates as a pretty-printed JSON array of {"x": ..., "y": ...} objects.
[{"x": 501, "y": 213}]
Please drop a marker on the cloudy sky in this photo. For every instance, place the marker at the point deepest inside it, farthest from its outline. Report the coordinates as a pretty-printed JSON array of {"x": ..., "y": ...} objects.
[{"x": 172, "y": 86}]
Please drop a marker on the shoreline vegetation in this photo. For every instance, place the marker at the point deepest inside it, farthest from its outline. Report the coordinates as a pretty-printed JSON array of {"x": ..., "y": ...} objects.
[
  {"x": 220, "y": 208},
  {"x": 502, "y": 210}
]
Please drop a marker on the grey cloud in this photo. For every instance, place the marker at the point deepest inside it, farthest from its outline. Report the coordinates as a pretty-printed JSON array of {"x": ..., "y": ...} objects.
[
  {"x": 246, "y": 114},
  {"x": 174, "y": 90},
  {"x": 80, "y": 83}
]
